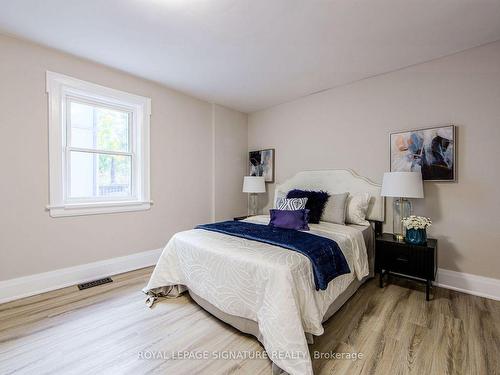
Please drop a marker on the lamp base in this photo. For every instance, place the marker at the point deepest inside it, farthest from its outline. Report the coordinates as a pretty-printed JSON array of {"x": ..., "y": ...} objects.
[
  {"x": 401, "y": 209},
  {"x": 252, "y": 204},
  {"x": 399, "y": 237}
]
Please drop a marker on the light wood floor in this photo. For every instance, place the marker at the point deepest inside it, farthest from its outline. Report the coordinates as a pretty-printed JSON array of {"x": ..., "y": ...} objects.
[{"x": 106, "y": 330}]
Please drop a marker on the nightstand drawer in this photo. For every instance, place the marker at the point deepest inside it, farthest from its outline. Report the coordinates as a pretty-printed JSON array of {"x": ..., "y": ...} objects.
[
  {"x": 407, "y": 260},
  {"x": 398, "y": 260}
]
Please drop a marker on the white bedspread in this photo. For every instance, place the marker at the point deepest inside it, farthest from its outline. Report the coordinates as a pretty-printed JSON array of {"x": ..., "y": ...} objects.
[{"x": 268, "y": 284}]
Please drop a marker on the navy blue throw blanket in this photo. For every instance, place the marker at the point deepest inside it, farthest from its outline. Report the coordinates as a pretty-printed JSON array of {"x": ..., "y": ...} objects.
[{"x": 326, "y": 258}]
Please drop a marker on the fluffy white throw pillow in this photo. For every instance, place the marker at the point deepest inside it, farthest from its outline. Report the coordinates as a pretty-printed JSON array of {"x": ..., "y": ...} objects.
[{"x": 357, "y": 206}]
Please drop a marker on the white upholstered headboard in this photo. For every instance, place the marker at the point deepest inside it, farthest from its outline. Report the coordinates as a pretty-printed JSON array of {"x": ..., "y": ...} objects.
[{"x": 337, "y": 181}]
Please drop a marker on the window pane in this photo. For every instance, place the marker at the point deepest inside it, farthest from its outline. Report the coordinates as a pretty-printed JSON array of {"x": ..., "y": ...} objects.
[
  {"x": 99, "y": 175},
  {"x": 98, "y": 128}
]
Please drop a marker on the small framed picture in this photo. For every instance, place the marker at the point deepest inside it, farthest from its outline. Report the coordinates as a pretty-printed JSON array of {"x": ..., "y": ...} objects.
[
  {"x": 261, "y": 163},
  {"x": 431, "y": 151}
]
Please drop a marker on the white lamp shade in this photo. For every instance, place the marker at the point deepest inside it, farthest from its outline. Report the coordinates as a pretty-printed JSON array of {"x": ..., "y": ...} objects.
[
  {"x": 254, "y": 184},
  {"x": 402, "y": 184}
]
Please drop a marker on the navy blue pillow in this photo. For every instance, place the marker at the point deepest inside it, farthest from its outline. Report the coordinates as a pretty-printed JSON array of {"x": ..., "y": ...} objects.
[{"x": 316, "y": 202}]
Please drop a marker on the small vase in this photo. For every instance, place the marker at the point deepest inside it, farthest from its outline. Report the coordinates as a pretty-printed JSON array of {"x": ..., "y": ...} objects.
[{"x": 416, "y": 236}]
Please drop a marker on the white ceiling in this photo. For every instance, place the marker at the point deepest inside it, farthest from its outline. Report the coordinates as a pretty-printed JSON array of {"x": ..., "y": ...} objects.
[{"x": 252, "y": 54}]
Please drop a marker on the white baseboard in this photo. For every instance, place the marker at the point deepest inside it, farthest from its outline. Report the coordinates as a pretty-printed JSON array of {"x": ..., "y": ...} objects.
[
  {"x": 469, "y": 283},
  {"x": 44, "y": 282}
]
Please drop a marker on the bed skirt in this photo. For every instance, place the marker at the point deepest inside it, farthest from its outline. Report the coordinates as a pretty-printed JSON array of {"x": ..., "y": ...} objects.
[{"x": 252, "y": 328}]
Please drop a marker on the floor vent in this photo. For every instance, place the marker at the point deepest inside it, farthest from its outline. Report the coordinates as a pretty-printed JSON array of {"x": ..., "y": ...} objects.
[{"x": 91, "y": 284}]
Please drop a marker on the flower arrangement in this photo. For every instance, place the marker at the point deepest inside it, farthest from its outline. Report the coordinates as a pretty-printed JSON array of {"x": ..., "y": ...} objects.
[{"x": 416, "y": 222}]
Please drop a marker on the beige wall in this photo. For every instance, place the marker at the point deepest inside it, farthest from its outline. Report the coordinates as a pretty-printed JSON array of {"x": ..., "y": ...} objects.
[
  {"x": 348, "y": 127},
  {"x": 198, "y": 156},
  {"x": 182, "y": 155},
  {"x": 231, "y": 140}
]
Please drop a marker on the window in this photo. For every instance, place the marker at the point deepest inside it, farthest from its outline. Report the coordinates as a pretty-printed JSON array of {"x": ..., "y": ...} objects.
[{"x": 99, "y": 148}]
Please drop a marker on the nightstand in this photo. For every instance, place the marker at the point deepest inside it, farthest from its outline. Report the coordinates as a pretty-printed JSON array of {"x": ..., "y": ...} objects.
[
  {"x": 416, "y": 262},
  {"x": 241, "y": 217}
]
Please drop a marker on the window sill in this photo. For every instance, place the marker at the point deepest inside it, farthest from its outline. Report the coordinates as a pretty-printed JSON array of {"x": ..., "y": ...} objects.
[{"x": 97, "y": 208}]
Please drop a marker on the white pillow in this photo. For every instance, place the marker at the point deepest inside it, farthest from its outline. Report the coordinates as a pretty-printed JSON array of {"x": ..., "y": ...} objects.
[
  {"x": 335, "y": 208},
  {"x": 357, "y": 206}
]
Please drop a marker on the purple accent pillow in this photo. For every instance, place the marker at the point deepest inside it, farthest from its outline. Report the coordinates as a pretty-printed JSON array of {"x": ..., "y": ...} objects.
[
  {"x": 316, "y": 202},
  {"x": 286, "y": 219}
]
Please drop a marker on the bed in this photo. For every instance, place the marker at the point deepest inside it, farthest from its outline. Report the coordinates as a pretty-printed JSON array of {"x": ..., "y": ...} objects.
[{"x": 266, "y": 290}]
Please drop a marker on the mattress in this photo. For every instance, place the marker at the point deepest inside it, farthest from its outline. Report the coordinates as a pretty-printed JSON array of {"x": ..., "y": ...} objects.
[
  {"x": 263, "y": 285},
  {"x": 252, "y": 328}
]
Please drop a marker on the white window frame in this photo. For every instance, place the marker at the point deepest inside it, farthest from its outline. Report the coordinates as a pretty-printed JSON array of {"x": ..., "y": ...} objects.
[{"x": 62, "y": 88}]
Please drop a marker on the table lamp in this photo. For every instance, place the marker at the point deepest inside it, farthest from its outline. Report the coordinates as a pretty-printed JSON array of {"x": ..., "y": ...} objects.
[
  {"x": 402, "y": 185},
  {"x": 253, "y": 185}
]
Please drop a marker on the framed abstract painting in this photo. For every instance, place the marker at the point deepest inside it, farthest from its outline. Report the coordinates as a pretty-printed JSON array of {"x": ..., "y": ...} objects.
[
  {"x": 261, "y": 163},
  {"x": 431, "y": 151}
]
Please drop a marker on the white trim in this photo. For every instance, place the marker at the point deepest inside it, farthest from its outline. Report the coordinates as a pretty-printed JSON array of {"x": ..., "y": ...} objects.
[
  {"x": 59, "y": 87},
  {"x": 108, "y": 94},
  {"x": 94, "y": 208},
  {"x": 468, "y": 283},
  {"x": 97, "y": 151},
  {"x": 26, "y": 286}
]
